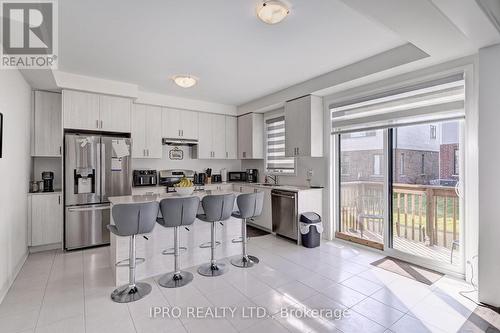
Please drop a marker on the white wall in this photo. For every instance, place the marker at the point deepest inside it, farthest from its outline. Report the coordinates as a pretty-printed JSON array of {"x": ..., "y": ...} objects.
[
  {"x": 15, "y": 104},
  {"x": 186, "y": 163},
  {"x": 489, "y": 180}
]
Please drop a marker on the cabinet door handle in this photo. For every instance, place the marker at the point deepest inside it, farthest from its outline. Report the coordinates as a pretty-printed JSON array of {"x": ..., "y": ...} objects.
[
  {"x": 147, "y": 151},
  {"x": 182, "y": 133},
  {"x": 97, "y": 123},
  {"x": 102, "y": 123},
  {"x": 298, "y": 151},
  {"x": 59, "y": 199},
  {"x": 227, "y": 154},
  {"x": 179, "y": 132},
  {"x": 144, "y": 152},
  {"x": 60, "y": 150}
]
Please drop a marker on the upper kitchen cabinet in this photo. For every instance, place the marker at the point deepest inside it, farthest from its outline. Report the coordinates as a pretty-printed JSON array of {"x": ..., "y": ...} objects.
[
  {"x": 179, "y": 124},
  {"x": 212, "y": 136},
  {"x": 87, "y": 111},
  {"x": 81, "y": 110},
  {"x": 304, "y": 127},
  {"x": 251, "y": 136},
  {"x": 146, "y": 131},
  {"x": 231, "y": 137},
  {"x": 46, "y": 130},
  {"x": 115, "y": 113}
]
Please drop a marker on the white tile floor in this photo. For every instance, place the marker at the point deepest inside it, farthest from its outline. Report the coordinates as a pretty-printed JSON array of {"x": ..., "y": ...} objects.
[{"x": 69, "y": 292}]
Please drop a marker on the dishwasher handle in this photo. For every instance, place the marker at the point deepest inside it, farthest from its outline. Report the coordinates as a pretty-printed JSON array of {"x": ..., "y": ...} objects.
[{"x": 280, "y": 194}]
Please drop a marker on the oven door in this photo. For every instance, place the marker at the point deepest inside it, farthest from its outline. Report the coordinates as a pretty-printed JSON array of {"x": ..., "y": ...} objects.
[{"x": 85, "y": 226}]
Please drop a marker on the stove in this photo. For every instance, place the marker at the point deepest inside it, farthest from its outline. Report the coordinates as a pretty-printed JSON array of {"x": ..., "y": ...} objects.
[{"x": 169, "y": 178}]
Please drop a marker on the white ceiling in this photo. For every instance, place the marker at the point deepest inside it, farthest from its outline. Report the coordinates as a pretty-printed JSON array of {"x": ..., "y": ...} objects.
[{"x": 237, "y": 57}]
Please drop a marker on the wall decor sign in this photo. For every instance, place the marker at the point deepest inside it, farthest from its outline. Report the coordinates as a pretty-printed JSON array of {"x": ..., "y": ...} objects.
[{"x": 176, "y": 154}]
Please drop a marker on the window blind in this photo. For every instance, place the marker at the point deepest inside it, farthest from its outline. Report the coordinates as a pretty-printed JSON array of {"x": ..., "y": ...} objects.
[
  {"x": 276, "y": 159},
  {"x": 441, "y": 99}
]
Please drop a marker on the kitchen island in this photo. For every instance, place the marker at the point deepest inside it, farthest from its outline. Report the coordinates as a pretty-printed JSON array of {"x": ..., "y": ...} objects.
[{"x": 163, "y": 238}]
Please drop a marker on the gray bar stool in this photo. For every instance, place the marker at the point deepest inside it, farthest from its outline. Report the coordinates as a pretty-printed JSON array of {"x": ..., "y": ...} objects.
[
  {"x": 177, "y": 212},
  {"x": 131, "y": 220},
  {"x": 249, "y": 205},
  {"x": 217, "y": 208}
]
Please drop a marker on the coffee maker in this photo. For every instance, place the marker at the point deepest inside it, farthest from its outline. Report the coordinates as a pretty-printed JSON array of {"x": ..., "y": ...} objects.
[
  {"x": 48, "y": 181},
  {"x": 252, "y": 175}
]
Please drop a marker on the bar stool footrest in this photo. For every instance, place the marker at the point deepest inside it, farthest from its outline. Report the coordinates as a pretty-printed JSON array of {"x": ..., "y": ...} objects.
[
  {"x": 125, "y": 262},
  {"x": 171, "y": 251},
  {"x": 209, "y": 244}
]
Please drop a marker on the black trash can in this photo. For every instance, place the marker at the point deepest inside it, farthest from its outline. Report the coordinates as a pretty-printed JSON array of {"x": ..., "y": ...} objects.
[{"x": 312, "y": 222}]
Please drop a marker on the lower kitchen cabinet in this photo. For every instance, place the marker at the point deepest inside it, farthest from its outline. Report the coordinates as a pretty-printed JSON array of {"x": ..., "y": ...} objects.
[
  {"x": 46, "y": 217},
  {"x": 265, "y": 220}
]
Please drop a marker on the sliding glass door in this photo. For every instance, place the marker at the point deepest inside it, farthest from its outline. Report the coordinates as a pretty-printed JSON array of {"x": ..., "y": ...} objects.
[
  {"x": 399, "y": 171},
  {"x": 425, "y": 180},
  {"x": 362, "y": 168}
]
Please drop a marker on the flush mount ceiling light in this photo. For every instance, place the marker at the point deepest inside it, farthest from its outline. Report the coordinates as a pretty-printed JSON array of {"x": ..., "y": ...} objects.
[
  {"x": 272, "y": 11},
  {"x": 185, "y": 81}
]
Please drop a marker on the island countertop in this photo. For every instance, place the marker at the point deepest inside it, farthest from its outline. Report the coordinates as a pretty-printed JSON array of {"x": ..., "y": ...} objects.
[{"x": 158, "y": 197}]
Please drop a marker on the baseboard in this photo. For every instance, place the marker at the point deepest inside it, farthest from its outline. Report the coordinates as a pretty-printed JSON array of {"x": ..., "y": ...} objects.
[
  {"x": 13, "y": 277},
  {"x": 48, "y": 247}
]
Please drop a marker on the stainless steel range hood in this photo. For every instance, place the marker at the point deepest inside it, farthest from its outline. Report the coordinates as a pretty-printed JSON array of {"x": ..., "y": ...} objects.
[{"x": 179, "y": 142}]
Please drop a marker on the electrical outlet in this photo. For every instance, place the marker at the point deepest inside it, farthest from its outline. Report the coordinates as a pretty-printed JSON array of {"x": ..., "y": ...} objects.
[{"x": 309, "y": 174}]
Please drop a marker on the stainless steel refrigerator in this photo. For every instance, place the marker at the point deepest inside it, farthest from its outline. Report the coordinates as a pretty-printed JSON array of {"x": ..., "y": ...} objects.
[{"x": 96, "y": 167}]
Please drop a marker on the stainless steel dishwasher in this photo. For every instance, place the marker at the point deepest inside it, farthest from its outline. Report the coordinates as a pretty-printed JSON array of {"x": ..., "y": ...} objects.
[{"x": 284, "y": 206}]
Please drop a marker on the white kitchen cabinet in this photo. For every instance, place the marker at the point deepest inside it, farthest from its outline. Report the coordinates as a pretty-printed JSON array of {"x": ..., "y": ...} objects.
[
  {"x": 146, "y": 131},
  {"x": 265, "y": 220},
  {"x": 304, "y": 127},
  {"x": 179, "y": 124},
  {"x": 218, "y": 136},
  {"x": 46, "y": 217},
  {"x": 87, "y": 111},
  {"x": 205, "y": 134},
  {"x": 212, "y": 136},
  {"x": 81, "y": 110},
  {"x": 47, "y": 128},
  {"x": 251, "y": 136},
  {"x": 115, "y": 113},
  {"x": 231, "y": 137}
]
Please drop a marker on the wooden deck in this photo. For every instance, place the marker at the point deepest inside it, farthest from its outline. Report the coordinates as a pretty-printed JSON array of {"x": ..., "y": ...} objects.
[{"x": 437, "y": 253}]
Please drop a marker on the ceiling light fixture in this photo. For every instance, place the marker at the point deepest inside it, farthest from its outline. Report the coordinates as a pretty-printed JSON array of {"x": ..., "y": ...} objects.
[
  {"x": 185, "y": 81},
  {"x": 272, "y": 11}
]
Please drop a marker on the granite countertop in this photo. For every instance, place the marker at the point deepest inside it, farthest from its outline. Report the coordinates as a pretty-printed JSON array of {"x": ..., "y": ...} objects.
[
  {"x": 158, "y": 197},
  {"x": 292, "y": 188}
]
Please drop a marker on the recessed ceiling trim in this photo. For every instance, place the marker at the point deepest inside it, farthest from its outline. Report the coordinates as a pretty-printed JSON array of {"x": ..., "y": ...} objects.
[
  {"x": 395, "y": 57},
  {"x": 492, "y": 11}
]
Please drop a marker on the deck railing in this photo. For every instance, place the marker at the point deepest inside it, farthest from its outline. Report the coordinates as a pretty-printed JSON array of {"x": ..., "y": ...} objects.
[{"x": 423, "y": 213}]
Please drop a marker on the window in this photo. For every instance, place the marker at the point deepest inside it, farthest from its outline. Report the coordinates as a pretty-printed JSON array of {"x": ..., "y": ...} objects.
[
  {"x": 456, "y": 162},
  {"x": 376, "y": 165},
  {"x": 276, "y": 159},
  {"x": 433, "y": 132}
]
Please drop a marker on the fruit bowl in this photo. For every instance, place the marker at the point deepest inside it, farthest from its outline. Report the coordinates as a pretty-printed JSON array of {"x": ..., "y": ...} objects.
[{"x": 183, "y": 191}]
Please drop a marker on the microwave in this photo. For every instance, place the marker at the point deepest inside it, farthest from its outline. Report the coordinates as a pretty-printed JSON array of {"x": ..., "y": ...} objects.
[{"x": 237, "y": 176}]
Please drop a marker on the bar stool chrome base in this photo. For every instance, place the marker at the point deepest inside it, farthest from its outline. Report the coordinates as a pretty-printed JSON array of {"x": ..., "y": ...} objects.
[
  {"x": 210, "y": 269},
  {"x": 209, "y": 244},
  {"x": 175, "y": 280},
  {"x": 245, "y": 262},
  {"x": 127, "y": 294}
]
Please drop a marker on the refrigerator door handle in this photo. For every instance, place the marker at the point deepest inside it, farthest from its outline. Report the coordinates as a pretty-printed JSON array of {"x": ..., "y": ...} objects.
[
  {"x": 98, "y": 187},
  {"x": 87, "y": 209},
  {"x": 103, "y": 172}
]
